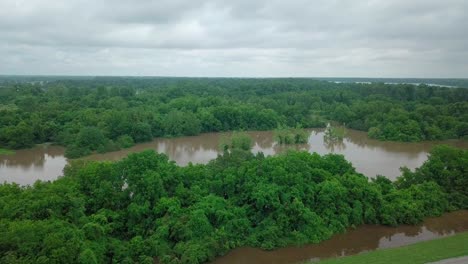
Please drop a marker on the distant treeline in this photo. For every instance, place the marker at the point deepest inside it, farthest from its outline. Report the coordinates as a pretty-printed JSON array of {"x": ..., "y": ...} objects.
[
  {"x": 146, "y": 207},
  {"x": 451, "y": 82},
  {"x": 107, "y": 113}
]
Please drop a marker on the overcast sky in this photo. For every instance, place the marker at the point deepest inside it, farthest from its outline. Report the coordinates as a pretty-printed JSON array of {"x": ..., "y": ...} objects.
[{"x": 353, "y": 38}]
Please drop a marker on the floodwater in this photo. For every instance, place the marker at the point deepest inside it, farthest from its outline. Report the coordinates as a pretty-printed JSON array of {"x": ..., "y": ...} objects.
[
  {"x": 362, "y": 239},
  {"x": 368, "y": 156}
]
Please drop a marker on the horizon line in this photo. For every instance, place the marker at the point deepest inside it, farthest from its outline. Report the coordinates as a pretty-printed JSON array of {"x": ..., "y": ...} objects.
[{"x": 227, "y": 77}]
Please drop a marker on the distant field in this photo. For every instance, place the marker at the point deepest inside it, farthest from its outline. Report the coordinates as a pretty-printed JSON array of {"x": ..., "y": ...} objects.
[{"x": 423, "y": 252}]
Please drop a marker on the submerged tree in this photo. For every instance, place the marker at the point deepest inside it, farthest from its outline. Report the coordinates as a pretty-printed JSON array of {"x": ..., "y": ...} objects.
[
  {"x": 237, "y": 140},
  {"x": 334, "y": 133},
  {"x": 284, "y": 135}
]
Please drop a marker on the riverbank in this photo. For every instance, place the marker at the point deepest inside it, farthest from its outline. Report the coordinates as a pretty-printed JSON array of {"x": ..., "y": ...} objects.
[
  {"x": 6, "y": 152},
  {"x": 422, "y": 252}
]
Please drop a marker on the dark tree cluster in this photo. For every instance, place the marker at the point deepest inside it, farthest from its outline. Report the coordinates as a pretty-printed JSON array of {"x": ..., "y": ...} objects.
[
  {"x": 105, "y": 114},
  {"x": 145, "y": 207}
]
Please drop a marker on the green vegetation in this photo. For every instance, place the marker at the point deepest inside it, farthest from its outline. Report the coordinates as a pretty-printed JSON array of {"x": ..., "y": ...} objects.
[
  {"x": 419, "y": 253},
  {"x": 445, "y": 167},
  {"x": 6, "y": 152},
  {"x": 291, "y": 135},
  {"x": 104, "y": 114},
  {"x": 146, "y": 206},
  {"x": 238, "y": 140}
]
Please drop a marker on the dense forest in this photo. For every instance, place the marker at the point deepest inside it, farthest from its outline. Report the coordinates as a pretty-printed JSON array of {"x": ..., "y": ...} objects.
[
  {"x": 145, "y": 207},
  {"x": 108, "y": 113}
]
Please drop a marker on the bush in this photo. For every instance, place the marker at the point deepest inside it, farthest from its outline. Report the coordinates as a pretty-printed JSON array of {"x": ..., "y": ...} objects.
[
  {"x": 291, "y": 135},
  {"x": 237, "y": 141},
  {"x": 108, "y": 147},
  {"x": 75, "y": 151},
  {"x": 125, "y": 141},
  {"x": 91, "y": 138},
  {"x": 141, "y": 132}
]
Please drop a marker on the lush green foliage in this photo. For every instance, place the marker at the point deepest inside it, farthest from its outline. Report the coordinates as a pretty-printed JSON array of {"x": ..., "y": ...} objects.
[
  {"x": 291, "y": 135},
  {"x": 419, "y": 253},
  {"x": 238, "y": 140},
  {"x": 115, "y": 112},
  {"x": 446, "y": 167},
  {"x": 146, "y": 206}
]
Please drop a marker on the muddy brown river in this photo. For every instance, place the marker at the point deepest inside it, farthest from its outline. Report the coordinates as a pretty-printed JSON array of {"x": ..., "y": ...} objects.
[{"x": 370, "y": 157}]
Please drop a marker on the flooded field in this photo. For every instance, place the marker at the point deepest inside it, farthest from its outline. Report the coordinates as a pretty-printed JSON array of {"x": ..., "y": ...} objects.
[{"x": 370, "y": 157}]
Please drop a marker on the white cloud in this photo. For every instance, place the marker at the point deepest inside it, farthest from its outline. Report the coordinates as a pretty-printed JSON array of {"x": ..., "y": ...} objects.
[{"x": 372, "y": 38}]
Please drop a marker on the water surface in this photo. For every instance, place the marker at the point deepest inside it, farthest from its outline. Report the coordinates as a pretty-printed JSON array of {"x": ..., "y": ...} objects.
[{"x": 370, "y": 157}]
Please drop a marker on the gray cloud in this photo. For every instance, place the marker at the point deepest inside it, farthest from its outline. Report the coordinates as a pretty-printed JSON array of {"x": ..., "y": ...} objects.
[{"x": 374, "y": 38}]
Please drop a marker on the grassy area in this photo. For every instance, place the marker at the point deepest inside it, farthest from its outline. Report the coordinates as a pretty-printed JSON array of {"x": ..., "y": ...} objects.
[
  {"x": 6, "y": 152},
  {"x": 423, "y": 252}
]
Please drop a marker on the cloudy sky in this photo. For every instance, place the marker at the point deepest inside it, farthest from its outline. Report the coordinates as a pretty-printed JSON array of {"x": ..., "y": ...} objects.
[{"x": 373, "y": 38}]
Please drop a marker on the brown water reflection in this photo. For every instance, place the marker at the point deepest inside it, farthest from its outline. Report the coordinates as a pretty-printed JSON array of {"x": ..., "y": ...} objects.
[
  {"x": 44, "y": 162},
  {"x": 362, "y": 239},
  {"x": 369, "y": 156}
]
